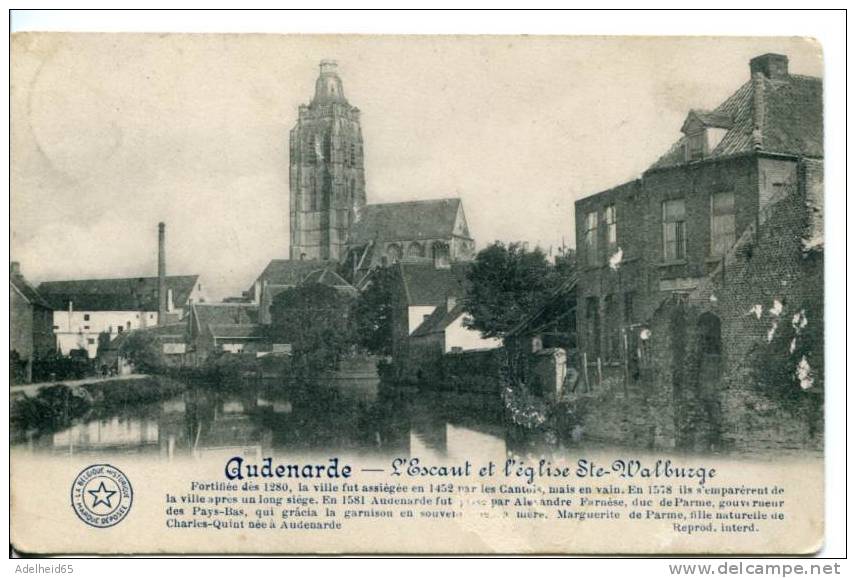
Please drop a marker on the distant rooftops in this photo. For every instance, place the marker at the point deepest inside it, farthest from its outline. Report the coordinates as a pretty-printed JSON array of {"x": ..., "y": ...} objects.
[{"x": 124, "y": 294}]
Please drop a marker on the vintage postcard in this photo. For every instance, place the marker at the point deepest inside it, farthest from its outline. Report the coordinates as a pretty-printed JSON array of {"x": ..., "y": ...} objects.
[{"x": 278, "y": 294}]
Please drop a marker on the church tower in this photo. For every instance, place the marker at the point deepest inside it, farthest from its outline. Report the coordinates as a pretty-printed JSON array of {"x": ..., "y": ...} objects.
[{"x": 326, "y": 174}]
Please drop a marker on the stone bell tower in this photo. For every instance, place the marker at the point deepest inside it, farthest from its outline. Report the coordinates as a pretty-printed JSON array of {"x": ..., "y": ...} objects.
[{"x": 326, "y": 174}]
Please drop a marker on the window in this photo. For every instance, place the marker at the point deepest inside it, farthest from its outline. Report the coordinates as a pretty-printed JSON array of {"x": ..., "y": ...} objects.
[
  {"x": 721, "y": 223},
  {"x": 591, "y": 238},
  {"x": 674, "y": 230},
  {"x": 611, "y": 228},
  {"x": 86, "y": 328},
  {"x": 86, "y": 316},
  {"x": 415, "y": 250},
  {"x": 119, "y": 329},
  {"x": 353, "y": 154},
  {"x": 695, "y": 146},
  {"x": 393, "y": 253},
  {"x": 90, "y": 341}
]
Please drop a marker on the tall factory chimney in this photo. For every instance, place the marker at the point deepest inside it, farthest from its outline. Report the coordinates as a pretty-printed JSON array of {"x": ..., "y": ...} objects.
[{"x": 161, "y": 274}]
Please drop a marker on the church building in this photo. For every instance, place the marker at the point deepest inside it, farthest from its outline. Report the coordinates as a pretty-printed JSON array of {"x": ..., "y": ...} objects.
[
  {"x": 326, "y": 174},
  {"x": 330, "y": 222}
]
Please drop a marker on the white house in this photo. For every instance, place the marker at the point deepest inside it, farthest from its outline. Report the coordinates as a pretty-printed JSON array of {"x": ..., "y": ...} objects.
[
  {"x": 446, "y": 331},
  {"x": 85, "y": 309}
]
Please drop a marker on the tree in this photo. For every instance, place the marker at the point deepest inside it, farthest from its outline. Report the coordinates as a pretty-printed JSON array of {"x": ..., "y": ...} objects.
[
  {"x": 506, "y": 284},
  {"x": 143, "y": 350},
  {"x": 371, "y": 313},
  {"x": 314, "y": 319}
]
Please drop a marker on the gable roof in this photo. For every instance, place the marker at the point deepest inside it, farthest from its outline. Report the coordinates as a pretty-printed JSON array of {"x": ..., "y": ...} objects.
[
  {"x": 408, "y": 221},
  {"x": 28, "y": 291},
  {"x": 425, "y": 284},
  {"x": 716, "y": 119},
  {"x": 438, "y": 321},
  {"x": 290, "y": 272},
  {"x": 213, "y": 314},
  {"x": 778, "y": 116},
  {"x": 125, "y": 294},
  {"x": 329, "y": 278}
]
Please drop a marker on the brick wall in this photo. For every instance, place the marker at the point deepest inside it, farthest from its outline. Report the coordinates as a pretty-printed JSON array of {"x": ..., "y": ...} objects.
[
  {"x": 694, "y": 395},
  {"x": 763, "y": 289}
]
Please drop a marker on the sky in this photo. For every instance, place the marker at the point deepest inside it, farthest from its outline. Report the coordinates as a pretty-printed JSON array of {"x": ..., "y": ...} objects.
[{"x": 112, "y": 133}]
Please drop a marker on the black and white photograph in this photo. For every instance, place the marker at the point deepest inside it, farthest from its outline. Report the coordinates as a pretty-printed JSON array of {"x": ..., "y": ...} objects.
[{"x": 387, "y": 294}]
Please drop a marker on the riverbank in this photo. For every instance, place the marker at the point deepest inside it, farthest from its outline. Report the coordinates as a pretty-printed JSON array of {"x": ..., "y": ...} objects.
[
  {"x": 53, "y": 406},
  {"x": 31, "y": 389}
]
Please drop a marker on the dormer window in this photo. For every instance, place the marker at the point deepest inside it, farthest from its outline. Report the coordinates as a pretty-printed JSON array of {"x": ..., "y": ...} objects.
[
  {"x": 703, "y": 132},
  {"x": 695, "y": 146}
]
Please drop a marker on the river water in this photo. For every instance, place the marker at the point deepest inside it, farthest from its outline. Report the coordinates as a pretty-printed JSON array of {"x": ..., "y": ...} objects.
[{"x": 353, "y": 417}]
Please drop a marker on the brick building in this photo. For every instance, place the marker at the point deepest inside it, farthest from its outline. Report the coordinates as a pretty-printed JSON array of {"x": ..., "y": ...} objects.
[
  {"x": 30, "y": 325},
  {"x": 664, "y": 232},
  {"x": 662, "y": 240}
]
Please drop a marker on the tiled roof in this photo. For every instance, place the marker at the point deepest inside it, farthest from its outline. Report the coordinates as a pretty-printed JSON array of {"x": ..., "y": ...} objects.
[
  {"x": 232, "y": 331},
  {"x": 330, "y": 278},
  {"x": 28, "y": 291},
  {"x": 290, "y": 273},
  {"x": 414, "y": 220},
  {"x": 438, "y": 321},
  {"x": 788, "y": 115},
  {"x": 424, "y": 284},
  {"x": 710, "y": 118},
  {"x": 127, "y": 294},
  {"x": 208, "y": 314}
]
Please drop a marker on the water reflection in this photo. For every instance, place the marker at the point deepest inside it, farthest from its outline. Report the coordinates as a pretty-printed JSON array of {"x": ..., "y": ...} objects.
[{"x": 342, "y": 417}]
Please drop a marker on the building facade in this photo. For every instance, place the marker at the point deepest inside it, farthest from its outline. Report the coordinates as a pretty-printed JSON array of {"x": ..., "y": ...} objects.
[
  {"x": 30, "y": 325},
  {"x": 700, "y": 284},
  {"x": 85, "y": 309},
  {"x": 663, "y": 233},
  {"x": 326, "y": 174}
]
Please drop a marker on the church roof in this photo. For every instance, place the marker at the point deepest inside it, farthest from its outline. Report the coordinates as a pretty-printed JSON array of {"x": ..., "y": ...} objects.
[
  {"x": 406, "y": 221},
  {"x": 126, "y": 294},
  {"x": 783, "y": 115}
]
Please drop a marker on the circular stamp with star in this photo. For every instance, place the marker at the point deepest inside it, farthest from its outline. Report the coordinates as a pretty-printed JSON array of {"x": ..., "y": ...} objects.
[{"x": 101, "y": 495}]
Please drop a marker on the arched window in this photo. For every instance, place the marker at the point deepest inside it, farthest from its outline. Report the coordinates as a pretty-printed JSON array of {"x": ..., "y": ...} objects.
[
  {"x": 440, "y": 253},
  {"x": 415, "y": 250},
  {"x": 393, "y": 253}
]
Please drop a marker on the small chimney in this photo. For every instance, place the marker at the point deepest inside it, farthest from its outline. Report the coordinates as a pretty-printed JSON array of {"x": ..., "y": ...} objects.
[
  {"x": 14, "y": 268},
  {"x": 451, "y": 301},
  {"x": 772, "y": 66},
  {"x": 162, "y": 295}
]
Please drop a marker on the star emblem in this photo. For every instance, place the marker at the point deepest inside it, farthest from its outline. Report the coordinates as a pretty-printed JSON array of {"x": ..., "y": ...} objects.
[{"x": 102, "y": 495}]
